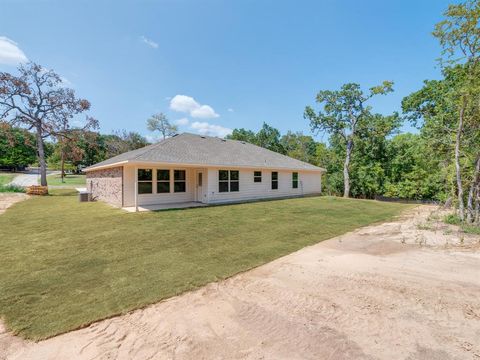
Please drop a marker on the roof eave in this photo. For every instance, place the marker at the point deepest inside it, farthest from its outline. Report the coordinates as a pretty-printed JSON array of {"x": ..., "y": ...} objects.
[
  {"x": 106, "y": 166},
  {"x": 145, "y": 162}
]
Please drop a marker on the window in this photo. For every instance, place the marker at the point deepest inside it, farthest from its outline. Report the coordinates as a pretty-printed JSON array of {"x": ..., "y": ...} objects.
[
  {"x": 163, "y": 181},
  {"x": 274, "y": 180},
  {"x": 228, "y": 180},
  {"x": 179, "y": 184},
  {"x": 144, "y": 181},
  {"x": 257, "y": 176},
  {"x": 234, "y": 180},
  {"x": 222, "y": 180},
  {"x": 295, "y": 180}
]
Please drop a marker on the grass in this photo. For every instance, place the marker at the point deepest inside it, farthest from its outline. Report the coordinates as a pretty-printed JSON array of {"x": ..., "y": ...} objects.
[
  {"x": 66, "y": 264},
  {"x": 471, "y": 229},
  {"x": 5, "y": 178},
  {"x": 69, "y": 180},
  {"x": 454, "y": 219}
]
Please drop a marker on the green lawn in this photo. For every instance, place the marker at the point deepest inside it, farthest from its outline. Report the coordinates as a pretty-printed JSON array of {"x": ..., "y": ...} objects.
[
  {"x": 69, "y": 180},
  {"x": 5, "y": 178},
  {"x": 65, "y": 264}
]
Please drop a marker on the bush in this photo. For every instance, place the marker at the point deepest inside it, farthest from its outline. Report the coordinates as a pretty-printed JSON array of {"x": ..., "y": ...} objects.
[
  {"x": 452, "y": 219},
  {"x": 11, "y": 189}
]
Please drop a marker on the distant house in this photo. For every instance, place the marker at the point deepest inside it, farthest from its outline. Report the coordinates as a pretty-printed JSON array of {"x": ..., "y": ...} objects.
[{"x": 189, "y": 168}]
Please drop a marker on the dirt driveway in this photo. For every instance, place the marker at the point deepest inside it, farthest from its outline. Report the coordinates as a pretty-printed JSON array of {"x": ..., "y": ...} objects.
[{"x": 408, "y": 289}]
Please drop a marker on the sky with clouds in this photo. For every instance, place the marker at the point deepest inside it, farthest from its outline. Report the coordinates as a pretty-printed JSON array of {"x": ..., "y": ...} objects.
[{"x": 212, "y": 66}]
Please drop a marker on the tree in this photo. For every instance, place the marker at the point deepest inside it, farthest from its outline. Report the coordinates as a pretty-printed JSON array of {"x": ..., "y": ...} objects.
[
  {"x": 35, "y": 99},
  {"x": 159, "y": 122},
  {"x": 414, "y": 169},
  {"x": 299, "y": 146},
  {"x": 122, "y": 141},
  {"x": 269, "y": 138},
  {"x": 344, "y": 114},
  {"x": 73, "y": 148},
  {"x": 459, "y": 36},
  {"x": 17, "y": 147},
  {"x": 243, "y": 135}
]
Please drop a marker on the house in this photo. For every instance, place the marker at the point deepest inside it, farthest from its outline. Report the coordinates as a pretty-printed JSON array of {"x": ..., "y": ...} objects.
[{"x": 189, "y": 168}]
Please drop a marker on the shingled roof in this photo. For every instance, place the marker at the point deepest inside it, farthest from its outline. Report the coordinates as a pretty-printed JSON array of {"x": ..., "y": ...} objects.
[{"x": 191, "y": 149}]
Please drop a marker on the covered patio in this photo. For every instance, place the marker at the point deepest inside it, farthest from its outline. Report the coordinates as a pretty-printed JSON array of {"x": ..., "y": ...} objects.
[{"x": 159, "y": 207}]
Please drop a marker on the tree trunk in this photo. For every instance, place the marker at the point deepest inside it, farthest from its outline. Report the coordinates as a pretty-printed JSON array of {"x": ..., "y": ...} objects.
[
  {"x": 62, "y": 166},
  {"x": 477, "y": 205},
  {"x": 472, "y": 192},
  {"x": 41, "y": 157},
  {"x": 461, "y": 206},
  {"x": 346, "y": 169}
]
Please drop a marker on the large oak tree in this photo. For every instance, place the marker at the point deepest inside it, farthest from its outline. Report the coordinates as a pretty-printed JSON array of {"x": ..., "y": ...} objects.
[
  {"x": 344, "y": 115},
  {"x": 36, "y": 100}
]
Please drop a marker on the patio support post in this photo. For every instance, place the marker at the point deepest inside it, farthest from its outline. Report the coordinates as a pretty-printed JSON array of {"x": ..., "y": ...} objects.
[{"x": 136, "y": 189}]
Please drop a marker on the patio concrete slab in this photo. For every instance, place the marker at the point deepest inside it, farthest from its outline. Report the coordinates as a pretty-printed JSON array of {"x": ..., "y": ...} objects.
[{"x": 155, "y": 207}]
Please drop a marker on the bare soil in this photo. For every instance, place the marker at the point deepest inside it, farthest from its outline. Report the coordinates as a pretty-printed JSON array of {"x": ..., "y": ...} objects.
[
  {"x": 8, "y": 199},
  {"x": 407, "y": 289}
]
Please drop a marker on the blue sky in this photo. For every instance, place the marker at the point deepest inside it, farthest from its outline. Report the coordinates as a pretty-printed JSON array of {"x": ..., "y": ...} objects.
[{"x": 236, "y": 63}]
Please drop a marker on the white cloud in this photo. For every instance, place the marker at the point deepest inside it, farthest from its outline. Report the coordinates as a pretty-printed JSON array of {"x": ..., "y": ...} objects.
[
  {"x": 204, "y": 112},
  {"x": 10, "y": 53},
  {"x": 149, "y": 42},
  {"x": 206, "y": 128},
  {"x": 230, "y": 110},
  {"x": 189, "y": 105},
  {"x": 152, "y": 138},
  {"x": 182, "y": 122}
]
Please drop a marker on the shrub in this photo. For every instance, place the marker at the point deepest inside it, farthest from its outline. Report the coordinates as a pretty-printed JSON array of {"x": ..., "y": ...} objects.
[
  {"x": 11, "y": 189},
  {"x": 452, "y": 219}
]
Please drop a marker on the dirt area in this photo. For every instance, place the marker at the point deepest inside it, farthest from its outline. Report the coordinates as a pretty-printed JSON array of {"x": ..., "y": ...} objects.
[
  {"x": 8, "y": 199},
  {"x": 408, "y": 289}
]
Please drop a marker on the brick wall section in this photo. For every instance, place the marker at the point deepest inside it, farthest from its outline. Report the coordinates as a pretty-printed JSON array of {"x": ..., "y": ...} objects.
[{"x": 106, "y": 185}]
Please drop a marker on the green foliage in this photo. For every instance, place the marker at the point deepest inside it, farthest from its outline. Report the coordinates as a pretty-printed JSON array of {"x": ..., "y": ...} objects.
[
  {"x": 17, "y": 147},
  {"x": 471, "y": 229},
  {"x": 11, "y": 189},
  {"x": 459, "y": 32},
  {"x": 299, "y": 146},
  {"x": 243, "y": 135},
  {"x": 123, "y": 141},
  {"x": 267, "y": 137},
  {"x": 413, "y": 170},
  {"x": 452, "y": 219},
  {"x": 91, "y": 148},
  {"x": 344, "y": 111},
  {"x": 6, "y": 178},
  {"x": 435, "y": 110},
  {"x": 345, "y": 116}
]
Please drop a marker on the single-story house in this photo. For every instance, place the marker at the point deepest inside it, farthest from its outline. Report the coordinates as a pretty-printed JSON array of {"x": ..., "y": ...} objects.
[{"x": 189, "y": 168}]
